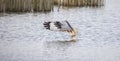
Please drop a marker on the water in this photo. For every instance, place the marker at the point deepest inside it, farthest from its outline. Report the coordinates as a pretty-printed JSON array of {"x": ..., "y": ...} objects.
[{"x": 23, "y": 38}]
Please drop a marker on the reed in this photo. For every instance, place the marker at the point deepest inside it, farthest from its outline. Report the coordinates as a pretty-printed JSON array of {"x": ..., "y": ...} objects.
[
  {"x": 80, "y": 2},
  {"x": 25, "y": 5},
  {"x": 43, "y": 5}
]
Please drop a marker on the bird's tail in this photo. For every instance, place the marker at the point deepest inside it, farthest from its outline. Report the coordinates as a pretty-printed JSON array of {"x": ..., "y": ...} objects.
[{"x": 47, "y": 25}]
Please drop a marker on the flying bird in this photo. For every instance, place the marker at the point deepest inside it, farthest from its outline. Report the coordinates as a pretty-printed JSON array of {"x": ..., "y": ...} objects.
[{"x": 63, "y": 26}]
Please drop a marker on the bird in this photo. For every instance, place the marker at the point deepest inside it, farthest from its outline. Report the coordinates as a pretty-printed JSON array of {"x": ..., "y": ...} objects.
[{"x": 63, "y": 26}]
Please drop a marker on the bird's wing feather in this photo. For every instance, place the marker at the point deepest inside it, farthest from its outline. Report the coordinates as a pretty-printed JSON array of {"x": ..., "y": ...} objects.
[
  {"x": 53, "y": 27},
  {"x": 65, "y": 26},
  {"x": 58, "y": 26}
]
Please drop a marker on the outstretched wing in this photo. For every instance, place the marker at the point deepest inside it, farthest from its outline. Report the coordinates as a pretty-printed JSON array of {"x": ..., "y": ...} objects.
[
  {"x": 65, "y": 26},
  {"x": 58, "y": 26}
]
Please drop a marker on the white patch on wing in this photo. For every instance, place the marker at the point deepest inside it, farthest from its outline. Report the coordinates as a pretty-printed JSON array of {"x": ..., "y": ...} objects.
[{"x": 53, "y": 27}]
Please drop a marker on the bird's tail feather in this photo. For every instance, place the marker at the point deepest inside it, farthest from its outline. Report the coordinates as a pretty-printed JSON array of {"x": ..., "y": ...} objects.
[{"x": 47, "y": 25}]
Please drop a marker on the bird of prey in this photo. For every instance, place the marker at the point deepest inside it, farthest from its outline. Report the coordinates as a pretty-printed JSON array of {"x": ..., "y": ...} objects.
[{"x": 63, "y": 26}]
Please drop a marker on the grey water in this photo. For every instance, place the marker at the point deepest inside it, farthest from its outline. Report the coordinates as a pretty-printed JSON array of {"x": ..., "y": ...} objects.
[{"x": 23, "y": 37}]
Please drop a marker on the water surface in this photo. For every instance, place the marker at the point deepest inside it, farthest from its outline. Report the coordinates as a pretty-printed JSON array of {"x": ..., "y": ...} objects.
[{"x": 23, "y": 38}]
